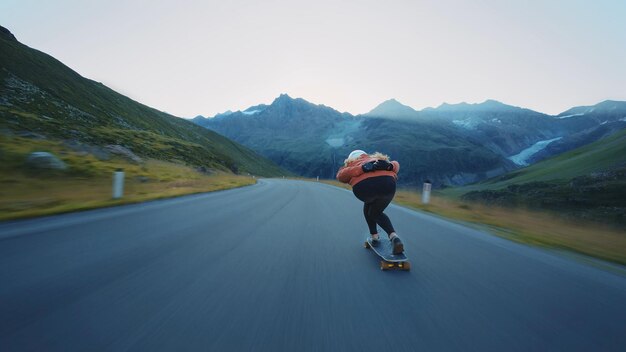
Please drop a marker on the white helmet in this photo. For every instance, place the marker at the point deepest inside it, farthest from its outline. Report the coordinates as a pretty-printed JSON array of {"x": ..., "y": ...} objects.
[{"x": 355, "y": 154}]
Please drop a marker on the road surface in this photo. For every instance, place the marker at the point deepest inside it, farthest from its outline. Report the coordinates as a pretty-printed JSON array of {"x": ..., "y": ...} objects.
[{"x": 279, "y": 266}]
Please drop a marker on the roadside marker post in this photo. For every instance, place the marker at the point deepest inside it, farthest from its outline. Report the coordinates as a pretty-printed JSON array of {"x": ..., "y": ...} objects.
[
  {"x": 426, "y": 192},
  {"x": 118, "y": 184}
]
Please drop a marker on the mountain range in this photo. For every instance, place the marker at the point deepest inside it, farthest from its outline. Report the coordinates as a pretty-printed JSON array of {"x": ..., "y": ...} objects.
[{"x": 453, "y": 144}]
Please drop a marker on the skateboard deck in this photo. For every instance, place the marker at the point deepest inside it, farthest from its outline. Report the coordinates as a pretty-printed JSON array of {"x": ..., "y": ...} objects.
[{"x": 389, "y": 260}]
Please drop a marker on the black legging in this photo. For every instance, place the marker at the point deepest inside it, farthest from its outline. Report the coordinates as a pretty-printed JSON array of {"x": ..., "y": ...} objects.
[{"x": 376, "y": 193}]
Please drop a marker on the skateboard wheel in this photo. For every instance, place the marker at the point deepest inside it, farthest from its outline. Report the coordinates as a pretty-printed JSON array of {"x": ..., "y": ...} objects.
[
  {"x": 385, "y": 265},
  {"x": 406, "y": 266},
  {"x": 367, "y": 245}
]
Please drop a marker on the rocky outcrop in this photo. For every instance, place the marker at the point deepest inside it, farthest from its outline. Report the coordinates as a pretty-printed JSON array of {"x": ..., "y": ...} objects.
[
  {"x": 84, "y": 149},
  {"x": 123, "y": 152},
  {"x": 44, "y": 161}
]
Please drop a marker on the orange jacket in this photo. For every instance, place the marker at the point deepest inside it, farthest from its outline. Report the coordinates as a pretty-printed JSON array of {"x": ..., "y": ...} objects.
[{"x": 353, "y": 173}]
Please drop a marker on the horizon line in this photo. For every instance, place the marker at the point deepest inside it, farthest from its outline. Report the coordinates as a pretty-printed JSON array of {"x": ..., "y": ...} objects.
[{"x": 396, "y": 100}]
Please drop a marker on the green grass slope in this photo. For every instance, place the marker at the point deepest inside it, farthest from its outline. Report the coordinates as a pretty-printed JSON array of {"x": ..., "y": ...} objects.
[
  {"x": 603, "y": 155},
  {"x": 585, "y": 183},
  {"x": 41, "y": 95}
]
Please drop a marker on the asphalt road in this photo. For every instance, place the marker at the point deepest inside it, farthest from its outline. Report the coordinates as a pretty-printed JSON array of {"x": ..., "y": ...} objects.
[{"x": 280, "y": 266}]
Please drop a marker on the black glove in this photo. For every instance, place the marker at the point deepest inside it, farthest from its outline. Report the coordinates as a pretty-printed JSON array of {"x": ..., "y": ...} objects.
[
  {"x": 383, "y": 165},
  {"x": 368, "y": 167}
]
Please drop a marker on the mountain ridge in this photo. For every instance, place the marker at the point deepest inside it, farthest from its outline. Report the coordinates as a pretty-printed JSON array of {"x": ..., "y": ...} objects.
[
  {"x": 311, "y": 139},
  {"x": 488, "y": 104}
]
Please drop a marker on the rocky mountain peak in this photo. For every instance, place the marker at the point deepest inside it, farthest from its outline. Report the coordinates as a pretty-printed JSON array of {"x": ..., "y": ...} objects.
[
  {"x": 282, "y": 99},
  {"x": 491, "y": 102},
  {"x": 392, "y": 108}
]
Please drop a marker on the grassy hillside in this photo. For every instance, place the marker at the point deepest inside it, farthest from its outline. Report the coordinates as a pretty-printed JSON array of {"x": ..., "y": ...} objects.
[
  {"x": 87, "y": 182},
  {"x": 603, "y": 155},
  {"x": 585, "y": 183},
  {"x": 38, "y": 94}
]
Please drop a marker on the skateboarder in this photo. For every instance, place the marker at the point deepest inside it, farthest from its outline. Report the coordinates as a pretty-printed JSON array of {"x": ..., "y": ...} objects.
[{"x": 373, "y": 180}]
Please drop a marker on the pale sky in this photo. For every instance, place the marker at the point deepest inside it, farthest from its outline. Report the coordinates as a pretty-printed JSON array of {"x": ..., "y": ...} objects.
[{"x": 205, "y": 57}]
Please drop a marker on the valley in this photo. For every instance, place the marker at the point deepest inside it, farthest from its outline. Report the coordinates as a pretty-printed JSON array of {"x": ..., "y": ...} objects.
[{"x": 570, "y": 164}]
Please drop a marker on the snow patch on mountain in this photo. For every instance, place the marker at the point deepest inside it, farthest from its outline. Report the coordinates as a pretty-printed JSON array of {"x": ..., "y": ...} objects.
[
  {"x": 572, "y": 115},
  {"x": 522, "y": 157},
  {"x": 251, "y": 112},
  {"x": 335, "y": 142},
  {"x": 467, "y": 123},
  {"x": 342, "y": 133}
]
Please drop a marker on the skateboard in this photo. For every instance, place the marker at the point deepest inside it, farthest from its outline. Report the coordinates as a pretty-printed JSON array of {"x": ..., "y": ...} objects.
[{"x": 389, "y": 260}]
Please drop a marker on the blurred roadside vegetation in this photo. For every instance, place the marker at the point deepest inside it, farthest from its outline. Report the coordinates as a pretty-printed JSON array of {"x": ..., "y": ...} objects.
[
  {"x": 540, "y": 228},
  {"x": 87, "y": 182}
]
